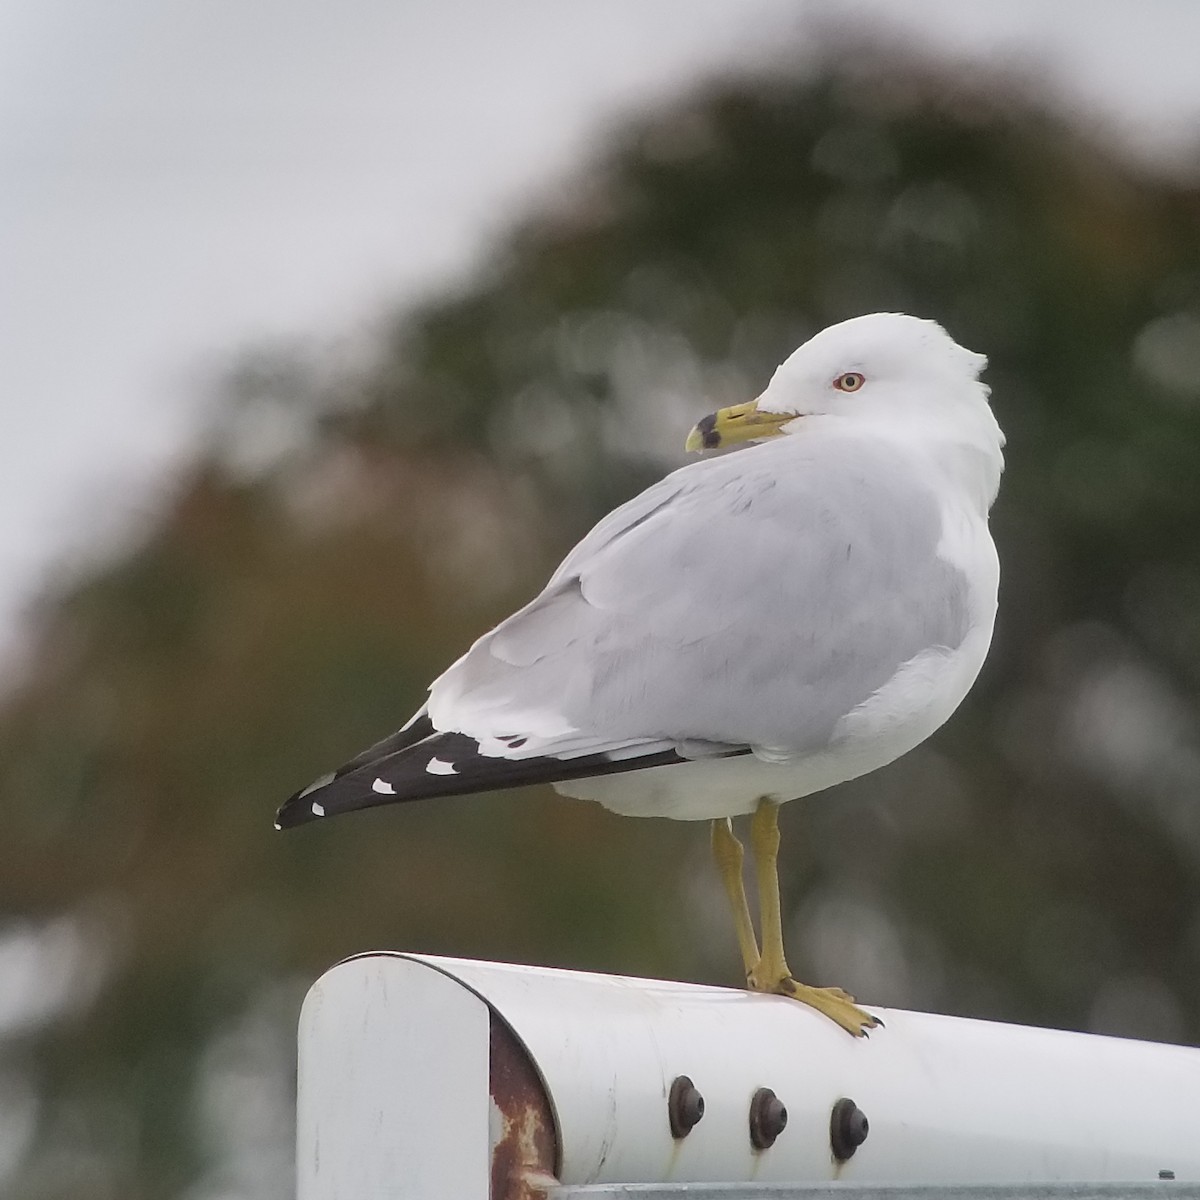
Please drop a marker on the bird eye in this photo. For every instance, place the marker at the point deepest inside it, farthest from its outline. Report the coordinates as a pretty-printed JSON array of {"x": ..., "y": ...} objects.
[{"x": 851, "y": 381}]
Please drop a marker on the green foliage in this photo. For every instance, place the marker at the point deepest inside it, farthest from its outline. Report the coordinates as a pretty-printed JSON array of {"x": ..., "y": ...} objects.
[{"x": 1037, "y": 862}]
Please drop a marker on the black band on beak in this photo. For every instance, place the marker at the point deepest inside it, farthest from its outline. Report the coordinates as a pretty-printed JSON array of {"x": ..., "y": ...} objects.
[{"x": 707, "y": 428}]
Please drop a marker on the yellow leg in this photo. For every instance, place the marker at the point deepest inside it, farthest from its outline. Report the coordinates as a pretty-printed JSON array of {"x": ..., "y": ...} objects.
[
  {"x": 728, "y": 853},
  {"x": 771, "y": 973},
  {"x": 764, "y": 841}
]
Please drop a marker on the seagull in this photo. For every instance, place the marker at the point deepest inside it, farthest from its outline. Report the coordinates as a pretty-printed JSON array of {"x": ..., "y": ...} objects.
[{"x": 755, "y": 627}]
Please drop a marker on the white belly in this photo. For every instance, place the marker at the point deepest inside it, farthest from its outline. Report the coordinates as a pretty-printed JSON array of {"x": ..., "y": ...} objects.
[{"x": 870, "y": 737}]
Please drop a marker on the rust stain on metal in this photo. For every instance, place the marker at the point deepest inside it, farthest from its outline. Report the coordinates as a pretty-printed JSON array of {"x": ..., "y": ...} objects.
[{"x": 524, "y": 1140}]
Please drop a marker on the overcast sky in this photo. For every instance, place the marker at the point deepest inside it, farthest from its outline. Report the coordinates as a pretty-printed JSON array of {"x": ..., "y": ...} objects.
[{"x": 183, "y": 179}]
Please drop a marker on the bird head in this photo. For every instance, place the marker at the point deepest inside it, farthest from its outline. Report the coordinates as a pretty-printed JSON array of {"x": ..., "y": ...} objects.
[{"x": 884, "y": 369}]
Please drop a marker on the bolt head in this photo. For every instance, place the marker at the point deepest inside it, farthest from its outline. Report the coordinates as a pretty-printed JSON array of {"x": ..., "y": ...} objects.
[
  {"x": 685, "y": 1107},
  {"x": 848, "y": 1128},
  {"x": 768, "y": 1118}
]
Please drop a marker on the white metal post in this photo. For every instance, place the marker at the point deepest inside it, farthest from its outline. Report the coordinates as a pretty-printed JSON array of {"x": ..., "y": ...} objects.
[
  {"x": 438, "y": 1079},
  {"x": 393, "y": 1097}
]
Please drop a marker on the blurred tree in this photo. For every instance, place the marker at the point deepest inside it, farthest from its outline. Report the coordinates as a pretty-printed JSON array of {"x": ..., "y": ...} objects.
[{"x": 349, "y": 530}]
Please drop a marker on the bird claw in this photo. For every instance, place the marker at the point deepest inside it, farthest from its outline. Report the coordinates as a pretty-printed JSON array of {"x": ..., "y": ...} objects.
[{"x": 833, "y": 1002}]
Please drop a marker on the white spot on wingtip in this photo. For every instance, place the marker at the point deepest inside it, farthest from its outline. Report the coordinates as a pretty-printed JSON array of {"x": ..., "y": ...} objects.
[
  {"x": 318, "y": 809},
  {"x": 437, "y": 766},
  {"x": 383, "y": 787}
]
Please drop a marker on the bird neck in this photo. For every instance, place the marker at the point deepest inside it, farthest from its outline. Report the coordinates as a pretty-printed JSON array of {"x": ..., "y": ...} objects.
[
  {"x": 968, "y": 453},
  {"x": 964, "y": 447}
]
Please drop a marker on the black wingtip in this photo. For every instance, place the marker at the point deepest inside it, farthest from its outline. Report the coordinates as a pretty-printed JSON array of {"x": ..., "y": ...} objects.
[
  {"x": 409, "y": 766},
  {"x": 306, "y": 805},
  {"x": 299, "y": 810},
  {"x": 291, "y": 813}
]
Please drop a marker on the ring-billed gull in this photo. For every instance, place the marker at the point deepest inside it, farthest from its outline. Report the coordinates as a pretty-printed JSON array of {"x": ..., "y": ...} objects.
[{"x": 753, "y": 628}]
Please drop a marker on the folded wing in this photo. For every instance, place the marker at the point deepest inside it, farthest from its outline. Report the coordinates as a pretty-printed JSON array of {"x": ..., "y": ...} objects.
[{"x": 745, "y": 602}]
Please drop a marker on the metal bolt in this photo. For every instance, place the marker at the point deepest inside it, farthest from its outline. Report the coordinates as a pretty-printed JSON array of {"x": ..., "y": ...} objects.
[
  {"x": 768, "y": 1118},
  {"x": 685, "y": 1107},
  {"x": 848, "y": 1129}
]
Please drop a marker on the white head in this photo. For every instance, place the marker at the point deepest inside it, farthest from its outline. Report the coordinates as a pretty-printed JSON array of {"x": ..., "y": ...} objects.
[{"x": 897, "y": 375}]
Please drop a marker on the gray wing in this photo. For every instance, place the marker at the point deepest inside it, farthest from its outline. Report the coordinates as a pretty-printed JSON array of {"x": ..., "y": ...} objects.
[{"x": 750, "y": 600}]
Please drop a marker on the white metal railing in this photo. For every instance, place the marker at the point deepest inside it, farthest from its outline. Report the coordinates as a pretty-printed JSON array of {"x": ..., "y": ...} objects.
[{"x": 439, "y": 1079}]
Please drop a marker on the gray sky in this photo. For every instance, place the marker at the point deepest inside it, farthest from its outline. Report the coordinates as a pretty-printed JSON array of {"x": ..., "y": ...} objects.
[{"x": 183, "y": 179}]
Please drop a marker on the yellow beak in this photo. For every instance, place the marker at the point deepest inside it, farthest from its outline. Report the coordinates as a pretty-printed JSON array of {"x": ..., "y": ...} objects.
[{"x": 740, "y": 423}]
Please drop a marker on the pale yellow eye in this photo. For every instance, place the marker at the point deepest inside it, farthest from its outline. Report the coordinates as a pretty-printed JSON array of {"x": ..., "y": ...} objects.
[{"x": 851, "y": 381}]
